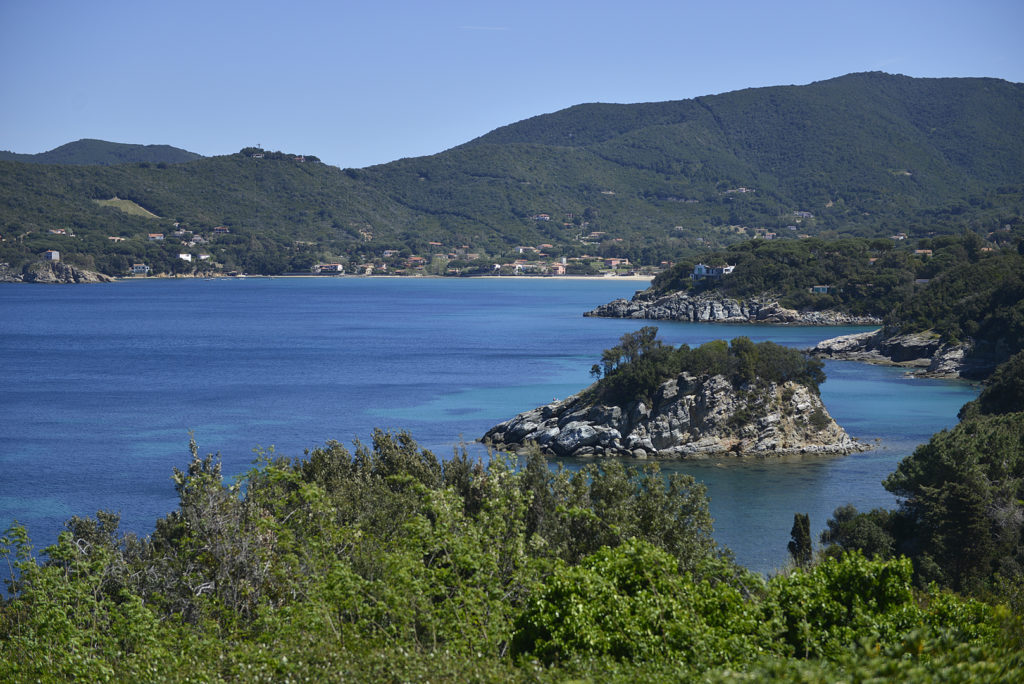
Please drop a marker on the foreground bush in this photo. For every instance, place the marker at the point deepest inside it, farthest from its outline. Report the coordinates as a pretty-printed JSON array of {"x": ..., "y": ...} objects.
[{"x": 386, "y": 564}]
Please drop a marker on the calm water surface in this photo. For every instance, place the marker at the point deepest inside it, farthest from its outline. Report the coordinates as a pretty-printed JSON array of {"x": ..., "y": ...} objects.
[{"x": 100, "y": 385}]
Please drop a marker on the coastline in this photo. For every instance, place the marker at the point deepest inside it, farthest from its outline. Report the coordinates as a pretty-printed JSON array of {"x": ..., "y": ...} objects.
[{"x": 629, "y": 278}]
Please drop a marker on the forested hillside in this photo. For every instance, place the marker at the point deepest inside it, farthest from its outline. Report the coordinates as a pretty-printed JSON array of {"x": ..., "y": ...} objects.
[
  {"x": 964, "y": 288},
  {"x": 860, "y": 155}
]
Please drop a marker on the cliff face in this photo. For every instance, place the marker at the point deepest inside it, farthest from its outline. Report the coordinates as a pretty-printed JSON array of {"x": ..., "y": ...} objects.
[
  {"x": 711, "y": 307},
  {"x": 58, "y": 273},
  {"x": 689, "y": 417}
]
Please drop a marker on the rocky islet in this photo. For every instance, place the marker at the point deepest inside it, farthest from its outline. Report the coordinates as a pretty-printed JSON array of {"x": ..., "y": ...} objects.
[{"x": 688, "y": 417}]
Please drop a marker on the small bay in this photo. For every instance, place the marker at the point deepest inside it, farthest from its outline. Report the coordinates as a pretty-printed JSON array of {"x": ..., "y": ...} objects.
[{"x": 100, "y": 386}]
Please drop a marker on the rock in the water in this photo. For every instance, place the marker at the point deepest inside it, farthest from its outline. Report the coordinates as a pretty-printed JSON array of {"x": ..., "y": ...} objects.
[
  {"x": 690, "y": 417},
  {"x": 712, "y": 307},
  {"x": 52, "y": 273},
  {"x": 922, "y": 352}
]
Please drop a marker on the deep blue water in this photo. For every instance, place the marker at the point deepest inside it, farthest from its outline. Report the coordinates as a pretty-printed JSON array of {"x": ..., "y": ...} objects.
[{"x": 100, "y": 386}]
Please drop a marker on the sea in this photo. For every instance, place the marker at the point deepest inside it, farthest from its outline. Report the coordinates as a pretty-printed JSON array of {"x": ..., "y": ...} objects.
[{"x": 101, "y": 387}]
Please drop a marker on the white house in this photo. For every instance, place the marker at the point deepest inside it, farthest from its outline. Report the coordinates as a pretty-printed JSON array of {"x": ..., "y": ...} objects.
[{"x": 701, "y": 271}]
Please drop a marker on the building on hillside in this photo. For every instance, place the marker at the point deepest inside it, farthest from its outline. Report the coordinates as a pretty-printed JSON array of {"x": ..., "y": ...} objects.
[
  {"x": 615, "y": 262},
  {"x": 221, "y": 230},
  {"x": 819, "y": 289},
  {"x": 140, "y": 269},
  {"x": 116, "y": 238},
  {"x": 156, "y": 237},
  {"x": 51, "y": 255},
  {"x": 702, "y": 271},
  {"x": 330, "y": 268},
  {"x": 185, "y": 257}
]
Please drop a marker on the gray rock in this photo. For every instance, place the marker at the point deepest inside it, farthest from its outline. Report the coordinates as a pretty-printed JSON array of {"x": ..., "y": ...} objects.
[
  {"x": 922, "y": 352},
  {"x": 690, "y": 418},
  {"x": 60, "y": 273},
  {"x": 712, "y": 307}
]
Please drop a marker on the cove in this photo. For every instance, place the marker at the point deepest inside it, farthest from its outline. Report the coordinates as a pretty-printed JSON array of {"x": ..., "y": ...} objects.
[{"x": 100, "y": 386}]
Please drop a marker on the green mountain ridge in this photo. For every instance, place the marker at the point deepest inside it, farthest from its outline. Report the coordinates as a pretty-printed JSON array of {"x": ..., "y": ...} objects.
[
  {"x": 91, "y": 152},
  {"x": 860, "y": 155}
]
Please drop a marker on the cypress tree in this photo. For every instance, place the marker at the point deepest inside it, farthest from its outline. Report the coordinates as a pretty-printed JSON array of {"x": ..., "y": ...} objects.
[{"x": 800, "y": 544}]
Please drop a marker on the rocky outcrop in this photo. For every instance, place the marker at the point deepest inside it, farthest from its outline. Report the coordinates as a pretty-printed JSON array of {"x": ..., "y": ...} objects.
[
  {"x": 923, "y": 352},
  {"x": 52, "y": 273},
  {"x": 712, "y": 307},
  {"x": 688, "y": 417}
]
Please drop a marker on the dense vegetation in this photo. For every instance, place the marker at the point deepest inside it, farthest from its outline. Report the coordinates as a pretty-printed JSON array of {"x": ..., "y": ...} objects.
[
  {"x": 860, "y": 155},
  {"x": 964, "y": 288},
  {"x": 961, "y": 513},
  {"x": 640, "y": 363},
  {"x": 979, "y": 299},
  {"x": 386, "y": 564}
]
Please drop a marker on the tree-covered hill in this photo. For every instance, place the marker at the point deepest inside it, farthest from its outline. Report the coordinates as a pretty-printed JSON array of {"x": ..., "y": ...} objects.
[
  {"x": 91, "y": 152},
  {"x": 962, "y": 289},
  {"x": 870, "y": 139},
  {"x": 860, "y": 155}
]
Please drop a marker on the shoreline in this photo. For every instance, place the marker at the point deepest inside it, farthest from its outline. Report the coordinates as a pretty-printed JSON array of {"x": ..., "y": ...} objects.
[{"x": 629, "y": 278}]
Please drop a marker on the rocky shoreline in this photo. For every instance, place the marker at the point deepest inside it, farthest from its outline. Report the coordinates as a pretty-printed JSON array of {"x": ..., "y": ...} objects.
[
  {"x": 923, "y": 354},
  {"x": 711, "y": 307},
  {"x": 51, "y": 273},
  {"x": 688, "y": 417}
]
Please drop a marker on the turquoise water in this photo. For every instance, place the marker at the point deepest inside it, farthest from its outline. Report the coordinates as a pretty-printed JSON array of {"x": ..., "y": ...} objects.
[{"x": 100, "y": 385}]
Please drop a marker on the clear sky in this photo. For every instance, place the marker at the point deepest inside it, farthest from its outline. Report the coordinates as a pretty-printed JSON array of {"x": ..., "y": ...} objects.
[{"x": 365, "y": 82}]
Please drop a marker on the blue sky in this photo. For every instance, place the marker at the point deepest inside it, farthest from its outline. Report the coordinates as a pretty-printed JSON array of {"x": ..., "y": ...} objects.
[{"x": 361, "y": 83}]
